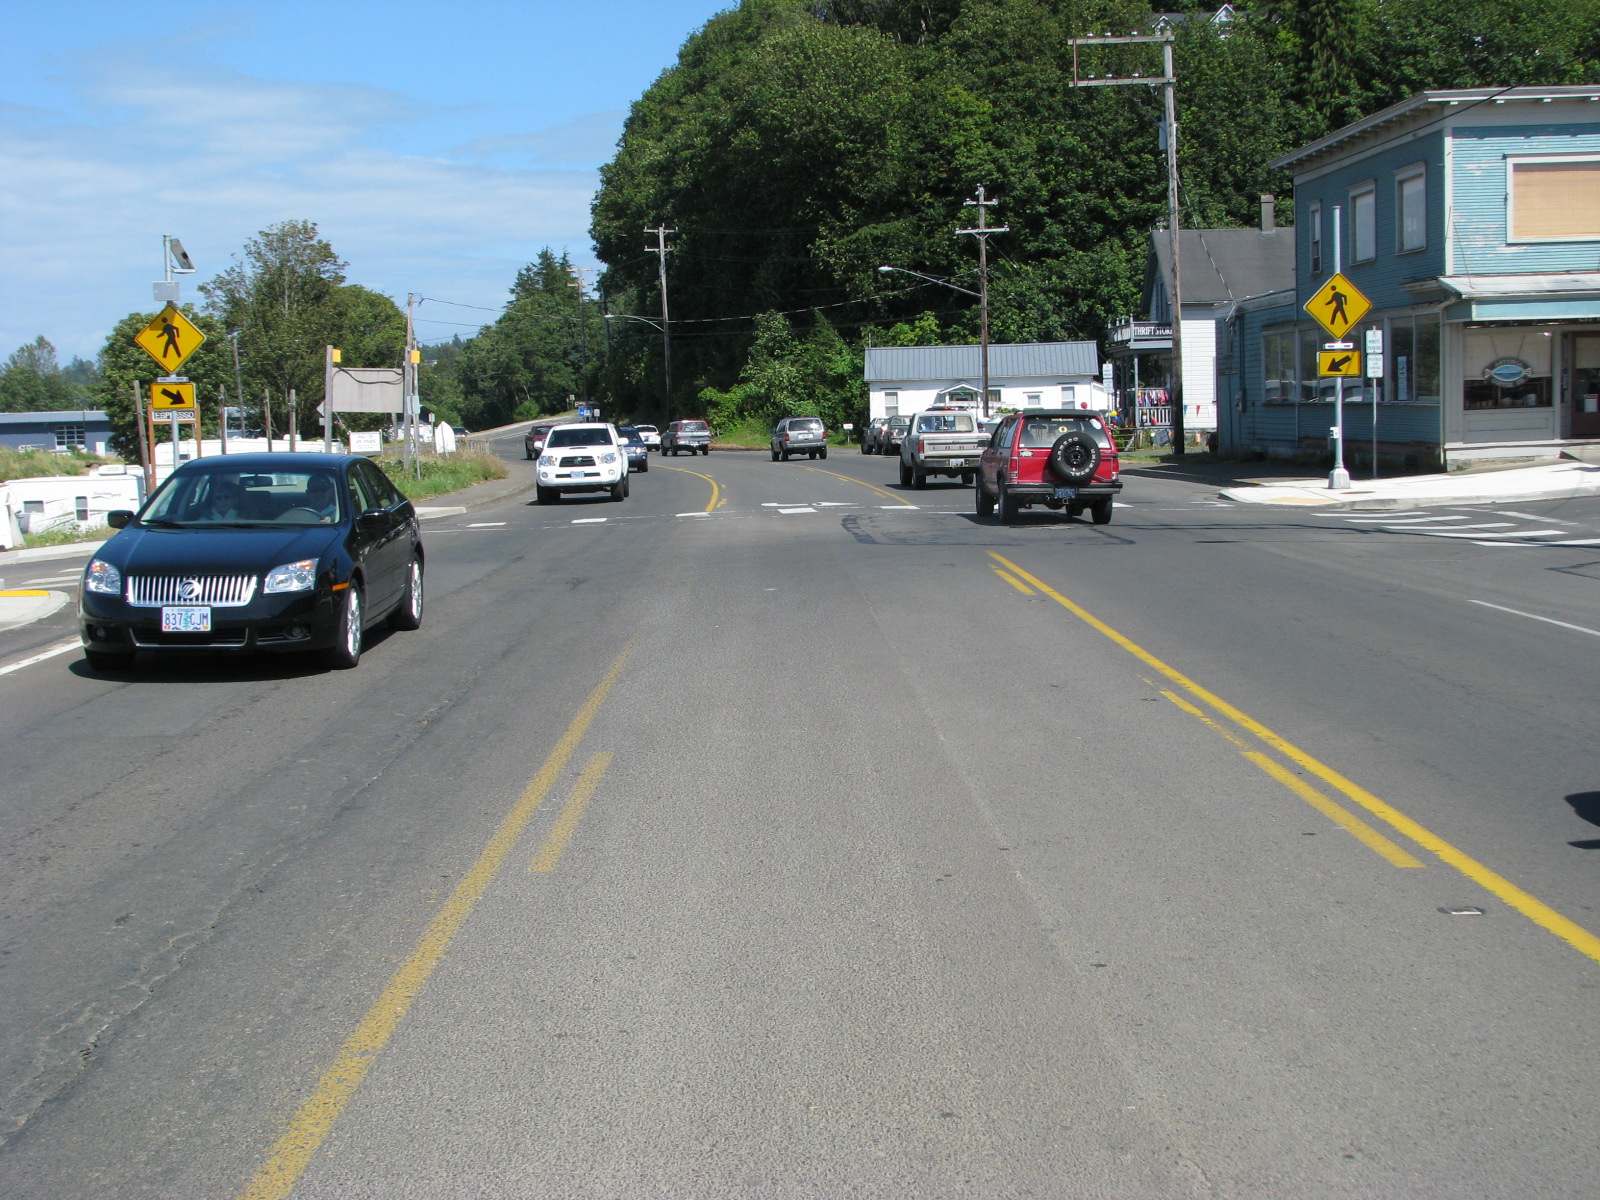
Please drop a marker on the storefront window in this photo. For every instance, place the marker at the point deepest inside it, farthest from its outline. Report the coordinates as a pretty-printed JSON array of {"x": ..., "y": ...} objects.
[
  {"x": 1507, "y": 368},
  {"x": 1278, "y": 376},
  {"x": 1312, "y": 388},
  {"x": 1427, "y": 362},
  {"x": 1412, "y": 348}
]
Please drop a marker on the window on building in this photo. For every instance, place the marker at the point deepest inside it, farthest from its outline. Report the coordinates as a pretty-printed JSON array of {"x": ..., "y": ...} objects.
[
  {"x": 1033, "y": 399},
  {"x": 69, "y": 436},
  {"x": 1412, "y": 350},
  {"x": 1316, "y": 238},
  {"x": 1506, "y": 368},
  {"x": 81, "y": 507},
  {"x": 1279, "y": 379},
  {"x": 891, "y": 404},
  {"x": 1313, "y": 388},
  {"x": 1363, "y": 224},
  {"x": 1411, "y": 207},
  {"x": 1554, "y": 200}
]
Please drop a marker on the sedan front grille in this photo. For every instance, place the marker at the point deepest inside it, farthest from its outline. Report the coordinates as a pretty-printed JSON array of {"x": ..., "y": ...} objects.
[{"x": 217, "y": 591}]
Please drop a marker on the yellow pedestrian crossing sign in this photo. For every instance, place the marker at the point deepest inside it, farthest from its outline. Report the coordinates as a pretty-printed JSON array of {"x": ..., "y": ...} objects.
[
  {"x": 1339, "y": 362},
  {"x": 1338, "y": 306},
  {"x": 172, "y": 397},
  {"x": 170, "y": 339}
]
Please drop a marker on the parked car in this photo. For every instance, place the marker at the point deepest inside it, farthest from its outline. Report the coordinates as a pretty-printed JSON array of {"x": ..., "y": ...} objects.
[
  {"x": 247, "y": 552},
  {"x": 1062, "y": 459},
  {"x": 872, "y": 437},
  {"x": 691, "y": 435},
  {"x": 893, "y": 431},
  {"x": 799, "y": 435},
  {"x": 533, "y": 440},
  {"x": 651, "y": 436},
  {"x": 586, "y": 457},
  {"x": 638, "y": 453}
]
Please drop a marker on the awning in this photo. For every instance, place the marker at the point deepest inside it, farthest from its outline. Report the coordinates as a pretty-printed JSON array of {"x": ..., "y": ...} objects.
[{"x": 1569, "y": 296}]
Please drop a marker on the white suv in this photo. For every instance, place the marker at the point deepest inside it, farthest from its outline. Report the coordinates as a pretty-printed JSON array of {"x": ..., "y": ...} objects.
[{"x": 582, "y": 458}]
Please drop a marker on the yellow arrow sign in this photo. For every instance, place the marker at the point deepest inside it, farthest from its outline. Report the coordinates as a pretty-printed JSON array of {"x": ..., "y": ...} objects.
[
  {"x": 172, "y": 397},
  {"x": 1338, "y": 305},
  {"x": 1339, "y": 362},
  {"x": 170, "y": 339}
]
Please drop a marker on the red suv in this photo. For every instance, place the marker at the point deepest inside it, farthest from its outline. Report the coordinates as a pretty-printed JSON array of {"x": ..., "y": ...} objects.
[{"x": 1061, "y": 459}]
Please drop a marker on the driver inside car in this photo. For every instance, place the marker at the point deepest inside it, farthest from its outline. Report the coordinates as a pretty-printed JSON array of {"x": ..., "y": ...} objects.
[{"x": 320, "y": 498}]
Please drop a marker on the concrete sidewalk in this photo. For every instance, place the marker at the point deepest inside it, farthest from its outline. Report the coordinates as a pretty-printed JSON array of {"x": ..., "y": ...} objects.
[{"x": 1547, "y": 481}]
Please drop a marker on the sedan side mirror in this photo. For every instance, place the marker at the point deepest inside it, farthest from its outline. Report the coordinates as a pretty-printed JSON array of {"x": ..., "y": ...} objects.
[
  {"x": 373, "y": 518},
  {"x": 119, "y": 518}
]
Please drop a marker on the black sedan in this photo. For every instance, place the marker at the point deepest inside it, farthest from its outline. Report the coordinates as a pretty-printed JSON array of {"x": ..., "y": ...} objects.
[{"x": 248, "y": 552}]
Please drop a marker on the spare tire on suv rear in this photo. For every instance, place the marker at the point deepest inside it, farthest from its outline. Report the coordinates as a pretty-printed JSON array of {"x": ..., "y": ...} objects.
[{"x": 1074, "y": 458}]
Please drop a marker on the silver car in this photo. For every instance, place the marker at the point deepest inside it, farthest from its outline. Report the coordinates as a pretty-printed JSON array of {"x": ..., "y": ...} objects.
[{"x": 799, "y": 435}]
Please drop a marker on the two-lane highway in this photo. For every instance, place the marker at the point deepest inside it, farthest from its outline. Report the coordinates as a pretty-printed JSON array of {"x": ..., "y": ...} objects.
[{"x": 782, "y": 831}]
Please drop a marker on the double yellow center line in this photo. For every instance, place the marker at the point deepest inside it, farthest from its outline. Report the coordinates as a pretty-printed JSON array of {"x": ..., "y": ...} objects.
[
  {"x": 1540, "y": 913},
  {"x": 315, "y": 1118}
]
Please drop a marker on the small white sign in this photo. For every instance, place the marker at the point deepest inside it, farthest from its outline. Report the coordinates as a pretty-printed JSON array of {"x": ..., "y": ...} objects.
[
  {"x": 365, "y": 443},
  {"x": 1374, "y": 354}
]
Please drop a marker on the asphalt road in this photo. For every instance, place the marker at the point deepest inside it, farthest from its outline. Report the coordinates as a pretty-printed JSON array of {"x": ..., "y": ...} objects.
[{"x": 782, "y": 832}]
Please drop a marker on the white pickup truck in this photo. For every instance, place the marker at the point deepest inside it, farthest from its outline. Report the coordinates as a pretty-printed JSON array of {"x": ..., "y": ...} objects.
[{"x": 941, "y": 442}]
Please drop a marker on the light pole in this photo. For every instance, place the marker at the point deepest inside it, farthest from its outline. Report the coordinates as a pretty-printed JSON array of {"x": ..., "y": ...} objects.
[
  {"x": 654, "y": 325},
  {"x": 983, "y": 301}
]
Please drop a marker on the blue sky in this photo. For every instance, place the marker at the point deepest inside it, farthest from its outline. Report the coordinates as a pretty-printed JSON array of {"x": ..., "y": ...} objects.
[{"x": 436, "y": 147}]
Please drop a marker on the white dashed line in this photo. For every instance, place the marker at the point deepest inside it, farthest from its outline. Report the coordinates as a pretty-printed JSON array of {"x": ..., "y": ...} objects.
[
  {"x": 591, "y": 520},
  {"x": 790, "y": 511},
  {"x": 694, "y": 514},
  {"x": 486, "y": 525},
  {"x": 897, "y": 507}
]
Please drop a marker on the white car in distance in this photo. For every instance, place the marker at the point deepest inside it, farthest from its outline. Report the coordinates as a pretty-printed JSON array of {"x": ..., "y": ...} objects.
[
  {"x": 651, "y": 436},
  {"x": 582, "y": 458}
]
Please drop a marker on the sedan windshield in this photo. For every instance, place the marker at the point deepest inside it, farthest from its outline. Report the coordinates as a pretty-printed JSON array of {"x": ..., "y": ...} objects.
[{"x": 222, "y": 497}]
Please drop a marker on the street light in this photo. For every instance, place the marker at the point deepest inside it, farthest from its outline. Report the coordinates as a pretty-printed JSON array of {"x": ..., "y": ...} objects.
[
  {"x": 666, "y": 352},
  {"x": 983, "y": 301},
  {"x": 930, "y": 279}
]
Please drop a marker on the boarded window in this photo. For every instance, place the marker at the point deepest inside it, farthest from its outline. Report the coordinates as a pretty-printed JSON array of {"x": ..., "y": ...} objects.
[{"x": 1555, "y": 200}]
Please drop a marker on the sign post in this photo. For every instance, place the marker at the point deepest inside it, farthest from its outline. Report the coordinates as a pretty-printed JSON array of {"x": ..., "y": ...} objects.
[
  {"x": 1375, "y": 382},
  {"x": 1338, "y": 307}
]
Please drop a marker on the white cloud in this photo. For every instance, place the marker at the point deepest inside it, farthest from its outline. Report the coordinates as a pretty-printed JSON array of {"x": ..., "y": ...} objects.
[
  {"x": 588, "y": 141},
  {"x": 213, "y": 156}
]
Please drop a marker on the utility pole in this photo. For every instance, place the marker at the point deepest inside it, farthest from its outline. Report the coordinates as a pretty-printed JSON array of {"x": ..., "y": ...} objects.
[
  {"x": 583, "y": 326},
  {"x": 660, "y": 249},
  {"x": 238, "y": 382},
  {"x": 408, "y": 380},
  {"x": 1169, "y": 80},
  {"x": 982, "y": 232}
]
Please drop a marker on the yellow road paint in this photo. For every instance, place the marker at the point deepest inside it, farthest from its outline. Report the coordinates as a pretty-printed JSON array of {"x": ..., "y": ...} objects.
[
  {"x": 1014, "y": 582},
  {"x": 555, "y": 845},
  {"x": 1536, "y": 910},
  {"x": 1353, "y": 825},
  {"x": 310, "y": 1125},
  {"x": 716, "y": 492},
  {"x": 24, "y": 592},
  {"x": 869, "y": 486}
]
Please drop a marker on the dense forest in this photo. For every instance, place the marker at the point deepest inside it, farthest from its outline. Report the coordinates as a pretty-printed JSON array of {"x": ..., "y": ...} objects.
[{"x": 797, "y": 145}]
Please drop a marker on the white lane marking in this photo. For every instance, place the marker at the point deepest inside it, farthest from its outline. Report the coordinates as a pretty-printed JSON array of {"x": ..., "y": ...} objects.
[
  {"x": 591, "y": 520},
  {"x": 833, "y": 504},
  {"x": 1415, "y": 512},
  {"x": 1530, "y": 517},
  {"x": 694, "y": 514},
  {"x": 49, "y": 579},
  {"x": 898, "y": 507},
  {"x": 1406, "y": 521},
  {"x": 1536, "y": 617},
  {"x": 790, "y": 511},
  {"x": 1453, "y": 533},
  {"x": 486, "y": 525},
  {"x": 58, "y": 648}
]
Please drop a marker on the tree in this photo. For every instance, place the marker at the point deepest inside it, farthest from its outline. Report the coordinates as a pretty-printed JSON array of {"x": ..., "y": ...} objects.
[
  {"x": 30, "y": 381},
  {"x": 288, "y": 300}
]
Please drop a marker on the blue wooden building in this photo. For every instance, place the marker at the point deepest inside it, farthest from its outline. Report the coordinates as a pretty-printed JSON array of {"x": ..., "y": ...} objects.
[{"x": 1471, "y": 220}]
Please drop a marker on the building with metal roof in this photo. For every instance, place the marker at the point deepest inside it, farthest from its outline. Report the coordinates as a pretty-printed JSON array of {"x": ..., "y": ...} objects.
[{"x": 908, "y": 379}]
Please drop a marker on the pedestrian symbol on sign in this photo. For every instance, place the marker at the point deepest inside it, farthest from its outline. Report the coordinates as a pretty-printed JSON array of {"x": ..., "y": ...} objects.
[
  {"x": 1337, "y": 305},
  {"x": 170, "y": 338}
]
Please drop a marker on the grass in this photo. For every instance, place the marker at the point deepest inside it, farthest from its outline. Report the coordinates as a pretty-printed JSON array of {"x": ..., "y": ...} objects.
[
  {"x": 434, "y": 474},
  {"x": 35, "y": 464},
  {"x": 68, "y": 535}
]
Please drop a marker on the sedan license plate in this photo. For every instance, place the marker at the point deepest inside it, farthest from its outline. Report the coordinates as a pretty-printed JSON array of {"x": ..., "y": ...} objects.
[
  {"x": 185, "y": 620},
  {"x": 1066, "y": 493}
]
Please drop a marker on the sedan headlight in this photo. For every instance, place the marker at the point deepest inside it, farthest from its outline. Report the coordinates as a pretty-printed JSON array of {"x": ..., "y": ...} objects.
[
  {"x": 292, "y": 577},
  {"x": 101, "y": 576}
]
